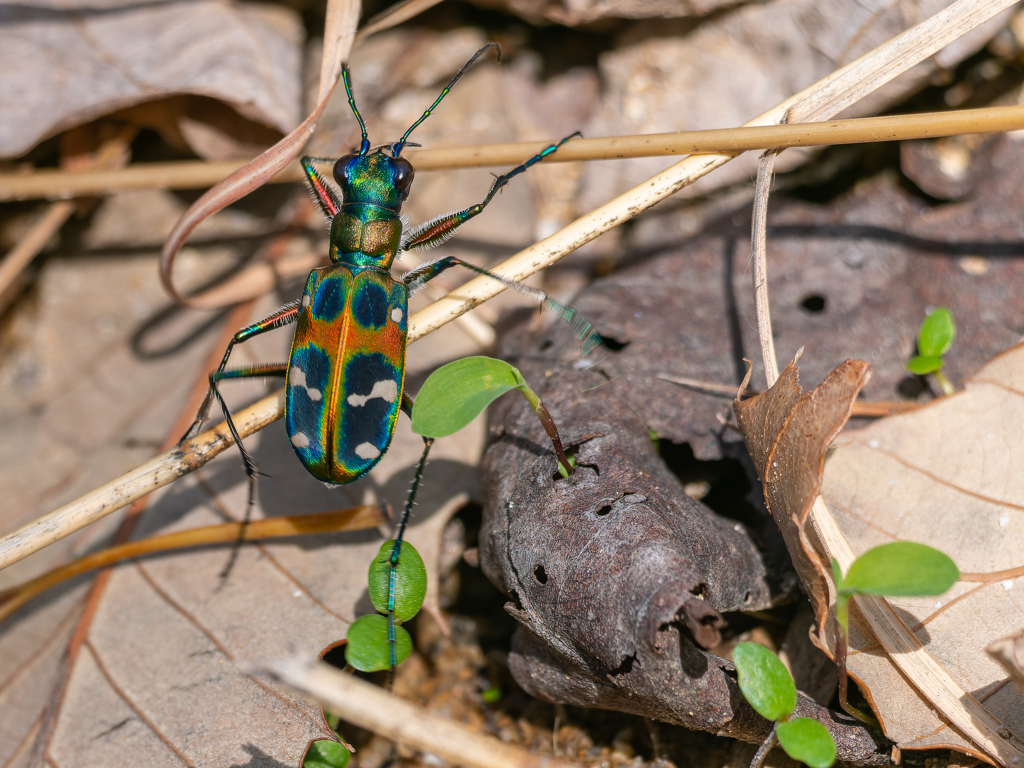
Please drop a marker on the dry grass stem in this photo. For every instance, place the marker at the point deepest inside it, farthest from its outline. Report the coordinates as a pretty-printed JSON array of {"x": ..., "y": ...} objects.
[
  {"x": 141, "y": 481},
  {"x": 29, "y": 246},
  {"x": 353, "y": 519},
  {"x": 759, "y": 247},
  {"x": 55, "y": 184},
  {"x": 367, "y": 706},
  {"x": 875, "y": 409}
]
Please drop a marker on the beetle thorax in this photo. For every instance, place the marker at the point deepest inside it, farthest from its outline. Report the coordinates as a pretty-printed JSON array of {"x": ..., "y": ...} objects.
[{"x": 365, "y": 235}]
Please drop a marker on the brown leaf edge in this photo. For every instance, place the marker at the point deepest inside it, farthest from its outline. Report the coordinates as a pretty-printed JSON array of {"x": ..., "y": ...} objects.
[
  {"x": 787, "y": 433},
  {"x": 339, "y": 34}
]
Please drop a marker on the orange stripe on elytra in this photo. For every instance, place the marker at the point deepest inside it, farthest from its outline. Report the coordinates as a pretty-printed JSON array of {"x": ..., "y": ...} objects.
[{"x": 338, "y": 366}]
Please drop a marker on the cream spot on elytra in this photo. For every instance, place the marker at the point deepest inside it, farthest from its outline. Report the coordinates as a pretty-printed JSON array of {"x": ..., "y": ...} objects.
[
  {"x": 305, "y": 300},
  {"x": 297, "y": 378},
  {"x": 396, "y": 314},
  {"x": 367, "y": 451},
  {"x": 299, "y": 440},
  {"x": 386, "y": 390}
]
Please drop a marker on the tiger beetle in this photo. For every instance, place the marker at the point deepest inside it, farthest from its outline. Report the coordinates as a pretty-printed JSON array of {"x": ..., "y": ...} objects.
[{"x": 346, "y": 369}]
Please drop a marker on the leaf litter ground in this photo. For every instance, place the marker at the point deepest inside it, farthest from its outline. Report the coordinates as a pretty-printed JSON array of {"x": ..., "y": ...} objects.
[{"x": 207, "y": 620}]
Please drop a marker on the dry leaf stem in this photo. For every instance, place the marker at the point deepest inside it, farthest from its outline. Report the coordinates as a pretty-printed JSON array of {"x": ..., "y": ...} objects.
[
  {"x": 876, "y": 409},
  {"x": 352, "y": 519},
  {"x": 196, "y": 175},
  {"x": 759, "y": 246},
  {"x": 821, "y": 100},
  {"x": 361, "y": 703}
]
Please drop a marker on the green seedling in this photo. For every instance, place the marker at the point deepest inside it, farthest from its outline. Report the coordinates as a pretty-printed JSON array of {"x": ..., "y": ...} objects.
[
  {"x": 933, "y": 341},
  {"x": 767, "y": 685},
  {"x": 458, "y": 392},
  {"x": 899, "y": 569},
  {"x": 368, "y": 646},
  {"x": 451, "y": 397}
]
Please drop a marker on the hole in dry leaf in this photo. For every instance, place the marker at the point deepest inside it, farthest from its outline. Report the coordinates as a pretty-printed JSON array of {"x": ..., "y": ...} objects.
[
  {"x": 814, "y": 303},
  {"x": 540, "y": 574}
]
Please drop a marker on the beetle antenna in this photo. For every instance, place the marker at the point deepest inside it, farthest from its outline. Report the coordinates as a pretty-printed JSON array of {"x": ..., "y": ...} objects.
[
  {"x": 364, "y": 145},
  {"x": 400, "y": 144}
]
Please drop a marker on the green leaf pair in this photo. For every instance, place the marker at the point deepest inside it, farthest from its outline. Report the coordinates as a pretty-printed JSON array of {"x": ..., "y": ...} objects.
[
  {"x": 768, "y": 686},
  {"x": 934, "y": 339},
  {"x": 367, "y": 647}
]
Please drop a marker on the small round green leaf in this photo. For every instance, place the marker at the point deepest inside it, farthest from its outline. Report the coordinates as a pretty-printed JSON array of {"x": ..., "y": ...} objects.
[
  {"x": 808, "y": 741},
  {"x": 367, "y": 648},
  {"x": 326, "y": 754},
  {"x": 458, "y": 392},
  {"x": 923, "y": 365},
  {"x": 937, "y": 333},
  {"x": 764, "y": 681},
  {"x": 410, "y": 580},
  {"x": 901, "y": 569}
]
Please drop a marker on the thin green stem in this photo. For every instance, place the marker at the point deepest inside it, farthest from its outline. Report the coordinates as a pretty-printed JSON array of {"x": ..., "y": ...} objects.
[
  {"x": 944, "y": 384},
  {"x": 842, "y": 644},
  {"x": 549, "y": 425},
  {"x": 765, "y": 748}
]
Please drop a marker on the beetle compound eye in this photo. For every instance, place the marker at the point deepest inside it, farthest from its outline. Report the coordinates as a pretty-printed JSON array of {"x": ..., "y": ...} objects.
[
  {"x": 340, "y": 167},
  {"x": 404, "y": 173}
]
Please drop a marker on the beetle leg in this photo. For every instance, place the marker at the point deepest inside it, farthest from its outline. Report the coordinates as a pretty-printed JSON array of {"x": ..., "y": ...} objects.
[
  {"x": 251, "y": 372},
  {"x": 581, "y": 327},
  {"x": 427, "y": 443},
  {"x": 289, "y": 313},
  {"x": 322, "y": 193},
  {"x": 436, "y": 231}
]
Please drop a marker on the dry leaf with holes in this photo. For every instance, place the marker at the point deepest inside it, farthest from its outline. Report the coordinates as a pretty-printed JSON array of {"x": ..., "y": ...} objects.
[
  {"x": 945, "y": 476},
  {"x": 221, "y": 79}
]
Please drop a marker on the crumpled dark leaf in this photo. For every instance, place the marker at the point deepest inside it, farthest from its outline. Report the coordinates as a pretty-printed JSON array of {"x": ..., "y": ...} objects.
[{"x": 619, "y": 578}]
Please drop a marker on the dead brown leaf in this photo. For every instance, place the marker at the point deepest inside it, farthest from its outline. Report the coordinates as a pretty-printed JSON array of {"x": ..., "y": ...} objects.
[
  {"x": 942, "y": 476},
  {"x": 945, "y": 476},
  {"x": 787, "y": 434},
  {"x": 70, "y": 63}
]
